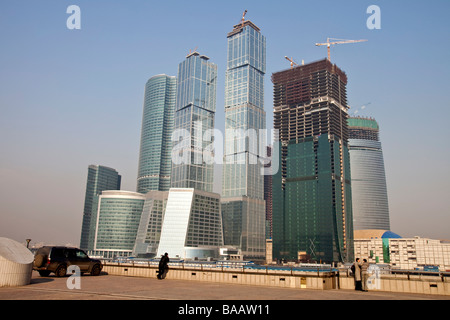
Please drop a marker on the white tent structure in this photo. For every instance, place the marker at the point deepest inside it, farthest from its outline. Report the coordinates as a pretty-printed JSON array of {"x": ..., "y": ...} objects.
[{"x": 16, "y": 263}]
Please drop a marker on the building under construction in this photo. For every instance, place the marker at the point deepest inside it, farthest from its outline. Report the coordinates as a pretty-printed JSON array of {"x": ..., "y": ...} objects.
[
  {"x": 312, "y": 207},
  {"x": 369, "y": 196}
]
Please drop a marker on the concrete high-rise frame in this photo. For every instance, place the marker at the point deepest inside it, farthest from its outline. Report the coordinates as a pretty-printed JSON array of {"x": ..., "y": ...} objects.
[
  {"x": 243, "y": 205},
  {"x": 312, "y": 207}
]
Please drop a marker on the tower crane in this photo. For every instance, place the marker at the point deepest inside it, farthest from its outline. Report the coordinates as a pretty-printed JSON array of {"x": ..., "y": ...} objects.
[
  {"x": 243, "y": 18},
  {"x": 293, "y": 63},
  {"x": 192, "y": 51},
  {"x": 333, "y": 41}
]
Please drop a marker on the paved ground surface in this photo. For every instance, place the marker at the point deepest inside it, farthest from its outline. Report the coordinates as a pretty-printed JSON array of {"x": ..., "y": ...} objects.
[{"x": 108, "y": 287}]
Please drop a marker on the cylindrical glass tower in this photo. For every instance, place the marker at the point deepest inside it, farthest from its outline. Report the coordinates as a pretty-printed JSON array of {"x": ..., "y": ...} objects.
[
  {"x": 155, "y": 163},
  {"x": 369, "y": 191}
]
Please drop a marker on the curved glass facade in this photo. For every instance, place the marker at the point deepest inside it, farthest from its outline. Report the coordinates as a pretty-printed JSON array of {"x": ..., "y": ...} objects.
[
  {"x": 369, "y": 191},
  {"x": 155, "y": 164},
  {"x": 119, "y": 214}
]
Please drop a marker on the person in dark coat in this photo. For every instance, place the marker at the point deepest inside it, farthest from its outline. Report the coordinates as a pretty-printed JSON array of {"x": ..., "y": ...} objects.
[
  {"x": 356, "y": 268},
  {"x": 163, "y": 266}
]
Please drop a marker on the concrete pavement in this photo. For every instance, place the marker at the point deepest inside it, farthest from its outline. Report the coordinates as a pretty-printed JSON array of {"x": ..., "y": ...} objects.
[{"x": 108, "y": 287}]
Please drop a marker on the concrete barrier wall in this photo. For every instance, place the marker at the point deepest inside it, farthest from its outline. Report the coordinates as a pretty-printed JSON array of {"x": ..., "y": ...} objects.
[
  {"x": 306, "y": 280},
  {"x": 286, "y": 279},
  {"x": 404, "y": 284}
]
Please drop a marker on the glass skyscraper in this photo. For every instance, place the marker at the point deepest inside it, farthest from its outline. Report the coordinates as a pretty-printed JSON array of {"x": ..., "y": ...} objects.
[
  {"x": 194, "y": 115},
  {"x": 243, "y": 205},
  {"x": 369, "y": 191},
  {"x": 186, "y": 221},
  {"x": 99, "y": 178},
  {"x": 155, "y": 163}
]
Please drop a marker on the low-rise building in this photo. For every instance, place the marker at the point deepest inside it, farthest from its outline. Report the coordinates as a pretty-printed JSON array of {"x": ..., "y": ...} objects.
[{"x": 382, "y": 246}]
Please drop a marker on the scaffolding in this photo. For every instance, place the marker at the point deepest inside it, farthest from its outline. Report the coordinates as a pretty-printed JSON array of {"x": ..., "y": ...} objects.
[
  {"x": 310, "y": 100},
  {"x": 312, "y": 192}
]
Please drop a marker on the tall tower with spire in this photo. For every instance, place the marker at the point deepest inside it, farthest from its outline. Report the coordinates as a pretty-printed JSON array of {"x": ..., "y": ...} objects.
[{"x": 243, "y": 205}]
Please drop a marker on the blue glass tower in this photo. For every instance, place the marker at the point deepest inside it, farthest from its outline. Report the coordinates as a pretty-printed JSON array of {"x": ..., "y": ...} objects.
[
  {"x": 155, "y": 164},
  {"x": 99, "y": 178},
  {"x": 194, "y": 115},
  {"x": 243, "y": 205}
]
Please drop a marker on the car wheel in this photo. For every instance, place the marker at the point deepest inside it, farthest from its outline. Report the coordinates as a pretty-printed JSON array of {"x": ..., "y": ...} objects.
[
  {"x": 61, "y": 271},
  {"x": 96, "y": 270},
  {"x": 44, "y": 273}
]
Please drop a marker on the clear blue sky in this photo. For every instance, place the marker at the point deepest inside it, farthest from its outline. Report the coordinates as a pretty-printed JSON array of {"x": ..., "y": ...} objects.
[{"x": 71, "y": 98}]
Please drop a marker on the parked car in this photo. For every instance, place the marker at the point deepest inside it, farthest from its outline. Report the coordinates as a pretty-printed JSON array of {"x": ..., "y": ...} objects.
[{"x": 57, "y": 259}]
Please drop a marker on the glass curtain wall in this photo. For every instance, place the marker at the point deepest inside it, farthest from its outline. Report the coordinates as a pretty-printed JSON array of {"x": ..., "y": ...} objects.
[
  {"x": 155, "y": 163},
  {"x": 195, "y": 110},
  {"x": 243, "y": 205}
]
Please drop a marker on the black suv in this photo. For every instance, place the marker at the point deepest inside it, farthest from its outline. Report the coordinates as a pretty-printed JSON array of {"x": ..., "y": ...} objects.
[{"x": 58, "y": 259}]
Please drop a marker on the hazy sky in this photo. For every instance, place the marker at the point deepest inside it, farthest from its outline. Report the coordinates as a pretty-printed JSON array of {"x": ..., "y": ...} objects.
[{"x": 71, "y": 98}]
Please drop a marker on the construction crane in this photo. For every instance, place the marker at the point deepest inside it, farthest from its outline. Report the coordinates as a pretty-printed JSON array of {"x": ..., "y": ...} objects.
[
  {"x": 243, "y": 18},
  {"x": 333, "y": 41},
  {"x": 192, "y": 51},
  {"x": 293, "y": 63}
]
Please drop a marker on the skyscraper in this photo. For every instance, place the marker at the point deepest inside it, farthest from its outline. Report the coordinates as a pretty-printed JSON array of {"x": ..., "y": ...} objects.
[
  {"x": 192, "y": 225},
  {"x": 194, "y": 115},
  {"x": 369, "y": 191},
  {"x": 312, "y": 207},
  {"x": 243, "y": 205},
  {"x": 155, "y": 163},
  {"x": 99, "y": 178}
]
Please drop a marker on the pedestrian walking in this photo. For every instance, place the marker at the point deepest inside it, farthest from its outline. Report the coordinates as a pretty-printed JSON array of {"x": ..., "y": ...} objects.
[{"x": 163, "y": 267}]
